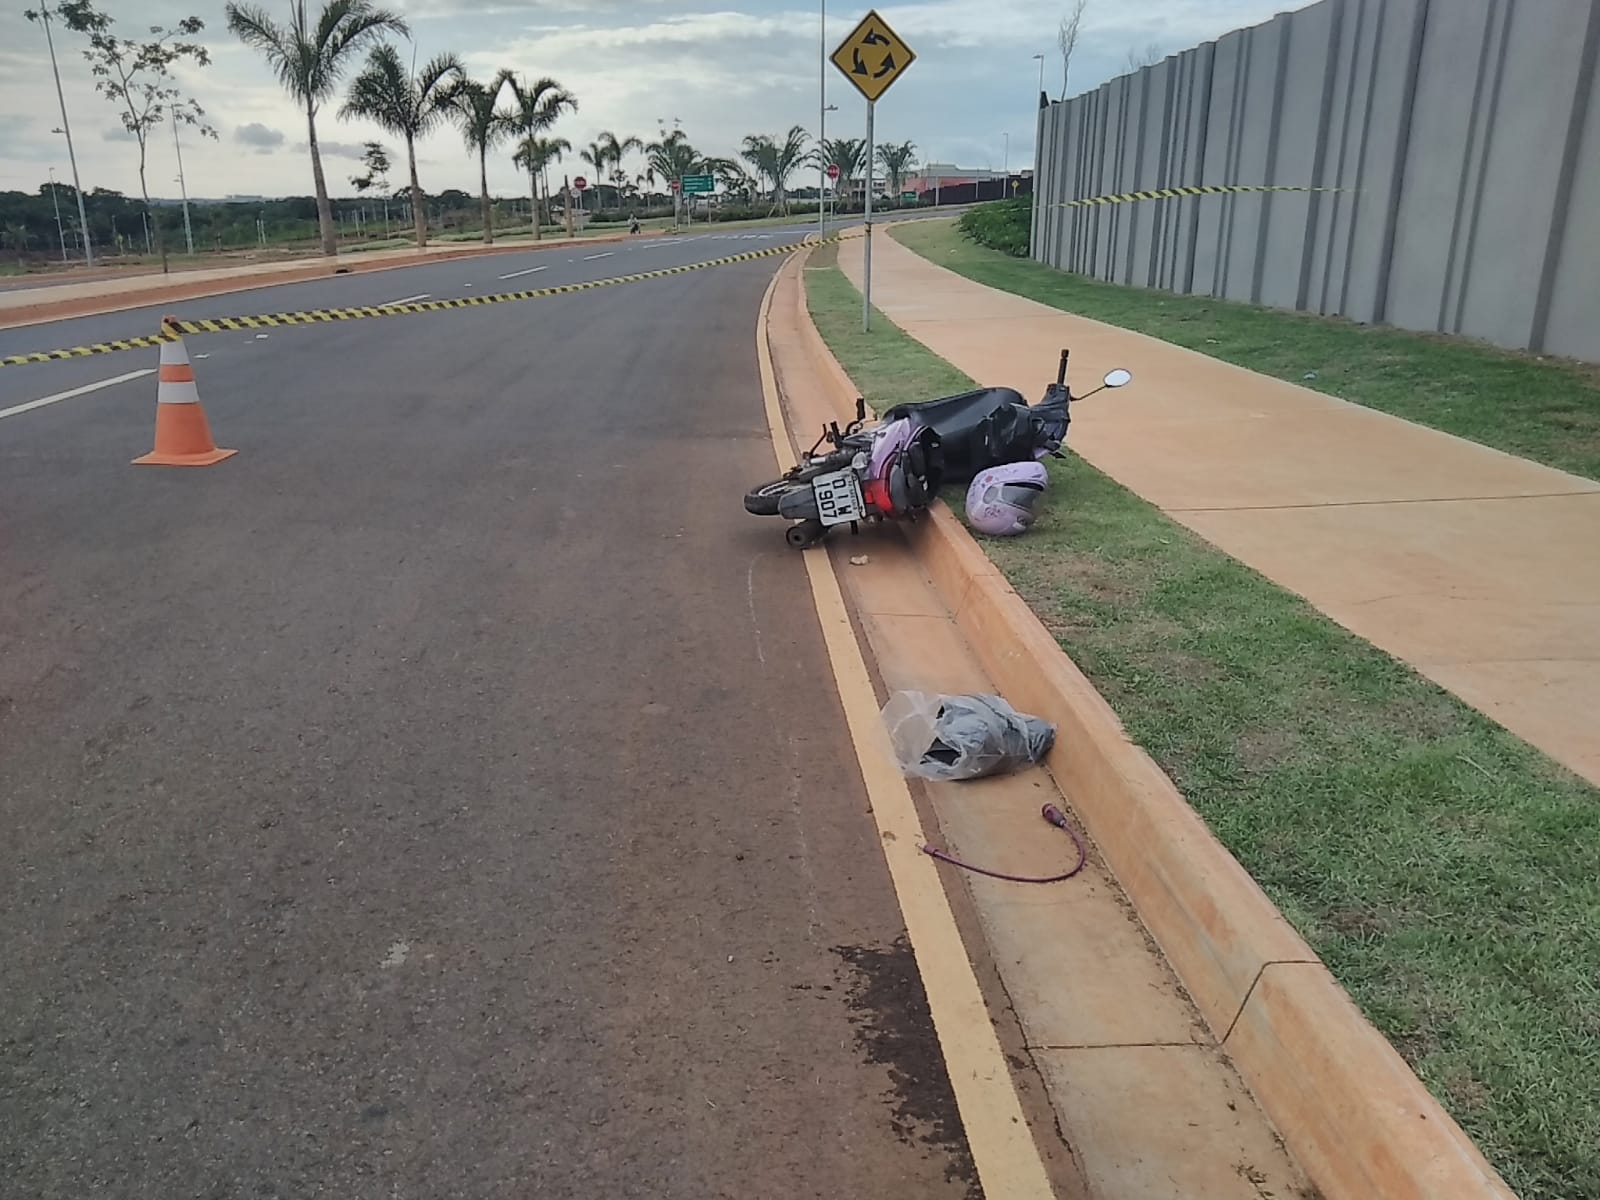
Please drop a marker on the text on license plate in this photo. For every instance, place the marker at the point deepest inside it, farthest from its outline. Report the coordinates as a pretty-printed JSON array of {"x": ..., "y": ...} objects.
[{"x": 838, "y": 497}]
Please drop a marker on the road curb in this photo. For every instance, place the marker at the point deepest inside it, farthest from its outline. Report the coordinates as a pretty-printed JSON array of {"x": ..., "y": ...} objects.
[
  {"x": 1348, "y": 1107},
  {"x": 97, "y": 306}
]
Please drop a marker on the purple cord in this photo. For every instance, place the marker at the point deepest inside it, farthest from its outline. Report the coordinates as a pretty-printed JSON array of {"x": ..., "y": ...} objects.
[{"x": 1050, "y": 813}]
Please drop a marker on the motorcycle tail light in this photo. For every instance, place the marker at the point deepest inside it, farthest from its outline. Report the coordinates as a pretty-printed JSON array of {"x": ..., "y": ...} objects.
[{"x": 876, "y": 494}]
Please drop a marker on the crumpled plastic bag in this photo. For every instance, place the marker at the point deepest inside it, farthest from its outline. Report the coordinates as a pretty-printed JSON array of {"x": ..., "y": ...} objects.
[{"x": 962, "y": 737}]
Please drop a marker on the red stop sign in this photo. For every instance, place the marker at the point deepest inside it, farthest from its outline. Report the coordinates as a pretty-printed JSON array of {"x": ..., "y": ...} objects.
[
  {"x": 580, "y": 183},
  {"x": 675, "y": 185},
  {"x": 833, "y": 170}
]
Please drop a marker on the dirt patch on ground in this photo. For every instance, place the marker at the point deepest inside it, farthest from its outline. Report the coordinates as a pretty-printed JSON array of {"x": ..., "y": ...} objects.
[{"x": 894, "y": 1028}]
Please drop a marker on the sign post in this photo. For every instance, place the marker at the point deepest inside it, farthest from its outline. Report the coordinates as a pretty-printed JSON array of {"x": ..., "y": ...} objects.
[
  {"x": 872, "y": 57},
  {"x": 698, "y": 185}
]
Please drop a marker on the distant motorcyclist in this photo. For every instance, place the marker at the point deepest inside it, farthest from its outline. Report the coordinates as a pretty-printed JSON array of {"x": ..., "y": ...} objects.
[{"x": 633, "y": 224}]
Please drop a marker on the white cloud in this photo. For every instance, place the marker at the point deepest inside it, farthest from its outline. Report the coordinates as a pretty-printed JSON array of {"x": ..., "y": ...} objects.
[
  {"x": 725, "y": 68},
  {"x": 258, "y": 137}
]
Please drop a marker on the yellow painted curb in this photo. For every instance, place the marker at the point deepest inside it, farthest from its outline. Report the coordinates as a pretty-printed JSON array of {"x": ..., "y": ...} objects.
[
  {"x": 1350, "y": 1110},
  {"x": 1003, "y": 1151}
]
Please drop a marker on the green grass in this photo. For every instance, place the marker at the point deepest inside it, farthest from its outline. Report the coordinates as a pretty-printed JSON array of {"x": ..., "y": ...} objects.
[
  {"x": 1446, "y": 872},
  {"x": 1544, "y": 409}
]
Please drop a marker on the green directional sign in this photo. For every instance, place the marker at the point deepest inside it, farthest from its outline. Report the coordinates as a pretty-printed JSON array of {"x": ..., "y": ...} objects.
[
  {"x": 699, "y": 185},
  {"x": 910, "y": 197}
]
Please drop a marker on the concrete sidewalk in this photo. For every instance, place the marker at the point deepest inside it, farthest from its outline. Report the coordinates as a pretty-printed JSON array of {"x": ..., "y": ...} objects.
[{"x": 1480, "y": 569}]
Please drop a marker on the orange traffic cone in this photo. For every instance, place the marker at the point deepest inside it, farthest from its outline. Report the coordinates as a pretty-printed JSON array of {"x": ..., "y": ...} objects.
[{"x": 183, "y": 439}]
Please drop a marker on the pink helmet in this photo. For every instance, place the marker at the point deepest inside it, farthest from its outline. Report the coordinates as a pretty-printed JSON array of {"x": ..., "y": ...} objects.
[{"x": 1002, "y": 500}]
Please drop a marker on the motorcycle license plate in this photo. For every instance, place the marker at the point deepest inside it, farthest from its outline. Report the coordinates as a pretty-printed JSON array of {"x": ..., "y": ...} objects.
[{"x": 838, "y": 497}]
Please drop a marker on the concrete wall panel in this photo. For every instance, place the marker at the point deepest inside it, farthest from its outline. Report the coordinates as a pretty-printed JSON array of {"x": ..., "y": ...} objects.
[
  {"x": 1454, "y": 143},
  {"x": 1514, "y": 191}
]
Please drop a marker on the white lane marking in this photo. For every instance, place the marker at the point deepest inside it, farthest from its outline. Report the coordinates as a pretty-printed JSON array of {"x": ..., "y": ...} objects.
[
  {"x": 529, "y": 271},
  {"x": 17, "y": 409},
  {"x": 406, "y": 300},
  {"x": 592, "y": 257}
]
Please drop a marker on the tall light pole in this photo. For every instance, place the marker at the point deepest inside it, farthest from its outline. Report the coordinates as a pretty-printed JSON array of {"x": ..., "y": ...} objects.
[
  {"x": 1040, "y": 57},
  {"x": 183, "y": 189},
  {"x": 83, "y": 217},
  {"x": 822, "y": 121},
  {"x": 1005, "y": 161},
  {"x": 55, "y": 202}
]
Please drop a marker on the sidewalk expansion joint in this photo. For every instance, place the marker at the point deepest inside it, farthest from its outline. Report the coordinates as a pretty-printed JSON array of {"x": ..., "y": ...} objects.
[
  {"x": 1595, "y": 491},
  {"x": 1125, "y": 1046},
  {"x": 1245, "y": 1003}
]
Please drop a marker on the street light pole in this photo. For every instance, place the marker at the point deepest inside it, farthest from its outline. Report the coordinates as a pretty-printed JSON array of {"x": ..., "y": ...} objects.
[
  {"x": 1005, "y": 162},
  {"x": 83, "y": 217},
  {"x": 1040, "y": 57},
  {"x": 822, "y": 122},
  {"x": 55, "y": 202},
  {"x": 183, "y": 190}
]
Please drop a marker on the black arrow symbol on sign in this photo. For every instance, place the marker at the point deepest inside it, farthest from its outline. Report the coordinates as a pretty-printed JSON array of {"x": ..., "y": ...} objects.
[
  {"x": 857, "y": 67},
  {"x": 888, "y": 65},
  {"x": 874, "y": 38}
]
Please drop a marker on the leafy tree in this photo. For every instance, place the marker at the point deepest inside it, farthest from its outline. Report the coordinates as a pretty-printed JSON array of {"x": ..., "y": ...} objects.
[
  {"x": 137, "y": 76},
  {"x": 536, "y": 107},
  {"x": 406, "y": 106},
  {"x": 376, "y": 162},
  {"x": 484, "y": 125},
  {"x": 897, "y": 162},
  {"x": 775, "y": 161},
  {"x": 310, "y": 57}
]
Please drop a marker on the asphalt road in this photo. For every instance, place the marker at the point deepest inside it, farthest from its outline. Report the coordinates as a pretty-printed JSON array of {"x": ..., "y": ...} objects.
[{"x": 447, "y": 796}]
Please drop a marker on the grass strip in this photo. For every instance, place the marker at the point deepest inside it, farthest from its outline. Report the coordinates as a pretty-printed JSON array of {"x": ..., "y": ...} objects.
[
  {"x": 1545, "y": 409},
  {"x": 1446, "y": 872}
]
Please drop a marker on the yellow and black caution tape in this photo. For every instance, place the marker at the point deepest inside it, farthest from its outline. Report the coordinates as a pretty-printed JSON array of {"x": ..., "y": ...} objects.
[
  {"x": 171, "y": 328},
  {"x": 1194, "y": 190}
]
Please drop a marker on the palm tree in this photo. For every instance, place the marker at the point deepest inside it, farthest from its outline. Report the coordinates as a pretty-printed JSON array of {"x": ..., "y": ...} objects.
[
  {"x": 848, "y": 154},
  {"x": 386, "y": 94},
  {"x": 596, "y": 156},
  {"x": 483, "y": 126},
  {"x": 734, "y": 179},
  {"x": 776, "y": 161},
  {"x": 535, "y": 108},
  {"x": 897, "y": 161},
  {"x": 670, "y": 158},
  {"x": 534, "y": 155},
  {"x": 608, "y": 151},
  {"x": 309, "y": 57}
]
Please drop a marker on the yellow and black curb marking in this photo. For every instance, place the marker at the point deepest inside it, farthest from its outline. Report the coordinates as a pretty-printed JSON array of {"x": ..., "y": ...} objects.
[
  {"x": 172, "y": 328},
  {"x": 1195, "y": 190}
]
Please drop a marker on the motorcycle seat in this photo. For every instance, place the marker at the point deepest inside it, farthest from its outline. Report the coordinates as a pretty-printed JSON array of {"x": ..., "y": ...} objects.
[{"x": 953, "y": 412}]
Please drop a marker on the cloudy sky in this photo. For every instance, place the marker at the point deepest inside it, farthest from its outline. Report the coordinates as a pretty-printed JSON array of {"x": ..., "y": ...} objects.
[{"x": 721, "y": 68}]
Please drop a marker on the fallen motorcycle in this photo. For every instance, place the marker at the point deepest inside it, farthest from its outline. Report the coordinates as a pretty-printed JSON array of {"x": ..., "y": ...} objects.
[
  {"x": 893, "y": 470},
  {"x": 991, "y": 427},
  {"x": 888, "y": 472}
]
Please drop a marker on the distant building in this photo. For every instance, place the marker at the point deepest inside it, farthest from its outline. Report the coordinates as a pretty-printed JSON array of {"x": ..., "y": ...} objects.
[{"x": 933, "y": 176}]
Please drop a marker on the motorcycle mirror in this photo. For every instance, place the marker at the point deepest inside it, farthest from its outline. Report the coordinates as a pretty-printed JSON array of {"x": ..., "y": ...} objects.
[{"x": 1118, "y": 378}]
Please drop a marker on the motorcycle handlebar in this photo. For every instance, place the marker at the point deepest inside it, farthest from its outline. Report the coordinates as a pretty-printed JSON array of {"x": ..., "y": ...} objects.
[{"x": 1061, "y": 372}]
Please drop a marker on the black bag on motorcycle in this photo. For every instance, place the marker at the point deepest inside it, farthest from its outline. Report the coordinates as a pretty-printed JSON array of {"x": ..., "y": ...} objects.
[{"x": 981, "y": 429}]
